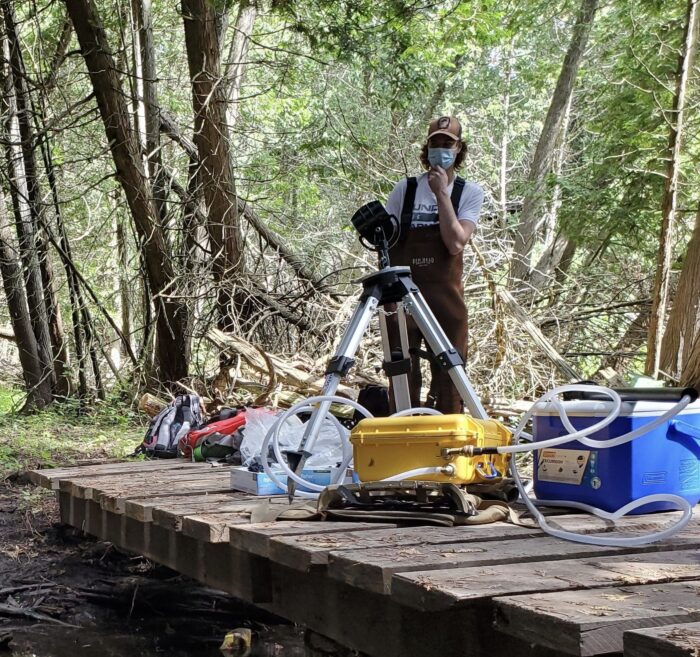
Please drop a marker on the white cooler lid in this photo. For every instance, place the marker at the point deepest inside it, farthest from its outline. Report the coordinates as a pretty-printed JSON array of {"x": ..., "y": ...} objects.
[{"x": 594, "y": 408}]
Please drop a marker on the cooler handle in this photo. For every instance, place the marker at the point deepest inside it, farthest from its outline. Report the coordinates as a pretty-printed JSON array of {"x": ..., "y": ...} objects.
[{"x": 687, "y": 429}]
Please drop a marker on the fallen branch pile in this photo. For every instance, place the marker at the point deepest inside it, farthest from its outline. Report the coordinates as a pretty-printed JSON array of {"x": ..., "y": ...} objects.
[{"x": 286, "y": 382}]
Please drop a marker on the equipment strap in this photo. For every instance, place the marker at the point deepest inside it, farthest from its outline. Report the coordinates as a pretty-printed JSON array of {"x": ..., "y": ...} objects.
[
  {"x": 456, "y": 195},
  {"x": 407, "y": 207}
]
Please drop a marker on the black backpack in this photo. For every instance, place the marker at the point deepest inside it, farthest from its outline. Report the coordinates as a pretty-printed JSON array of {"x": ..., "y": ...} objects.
[
  {"x": 165, "y": 430},
  {"x": 375, "y": 398}
]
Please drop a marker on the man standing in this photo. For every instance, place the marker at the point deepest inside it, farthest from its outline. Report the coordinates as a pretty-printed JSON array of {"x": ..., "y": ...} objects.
[{"x": 438, "y": 212}]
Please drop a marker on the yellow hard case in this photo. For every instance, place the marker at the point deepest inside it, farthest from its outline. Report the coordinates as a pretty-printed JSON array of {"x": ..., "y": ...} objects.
[{"x": 384, "y": 447}]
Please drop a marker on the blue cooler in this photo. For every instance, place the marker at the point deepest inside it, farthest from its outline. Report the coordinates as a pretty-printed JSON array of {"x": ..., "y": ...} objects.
[{"x": 665, "y": 460}]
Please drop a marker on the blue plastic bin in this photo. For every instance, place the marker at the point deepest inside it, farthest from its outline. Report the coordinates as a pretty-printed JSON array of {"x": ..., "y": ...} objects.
[{"x": 665, "y": 460}]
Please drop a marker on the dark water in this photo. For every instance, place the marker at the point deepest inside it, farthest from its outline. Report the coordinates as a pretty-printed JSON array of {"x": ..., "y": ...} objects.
[
  {"x": 112, "y": 603},
  {"x": 158, "y": 613},
  {"x": 105, "y": 641}
]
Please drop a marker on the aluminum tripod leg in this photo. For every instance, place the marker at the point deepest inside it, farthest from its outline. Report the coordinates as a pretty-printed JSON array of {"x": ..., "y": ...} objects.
[
  {"x": 416, "y": 306},
  {"x": 339, "y": 364}
]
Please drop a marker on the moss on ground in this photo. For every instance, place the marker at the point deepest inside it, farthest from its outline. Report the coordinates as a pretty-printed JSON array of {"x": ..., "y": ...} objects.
[{"x": 64, "y": 434}]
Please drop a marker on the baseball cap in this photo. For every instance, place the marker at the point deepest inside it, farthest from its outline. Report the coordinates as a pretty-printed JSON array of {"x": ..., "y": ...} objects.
[{"x": 445, "y": 125}]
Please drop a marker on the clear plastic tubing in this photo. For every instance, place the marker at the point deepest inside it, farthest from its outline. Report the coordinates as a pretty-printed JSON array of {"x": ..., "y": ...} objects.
[
  {"x": 306, "y": 405},
  {"x": 416, "y": 472},
  {"x": 273, "y": 437},
  {"x": 581, "y": 436}
]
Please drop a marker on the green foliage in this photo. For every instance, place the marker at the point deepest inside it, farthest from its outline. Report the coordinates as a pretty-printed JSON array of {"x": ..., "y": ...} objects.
[
  {"x": 64, "y": 434},
  {"x": 333, "y": 110},
  {"x": 626, "y": 92},
  {"x": 11, "y": 399}
]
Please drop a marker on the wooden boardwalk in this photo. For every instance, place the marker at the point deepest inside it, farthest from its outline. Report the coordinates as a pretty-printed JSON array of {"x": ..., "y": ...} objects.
[{"x": 490, "y": 590}]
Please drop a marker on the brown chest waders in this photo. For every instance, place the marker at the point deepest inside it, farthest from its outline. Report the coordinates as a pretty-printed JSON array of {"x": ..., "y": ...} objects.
[{"x": 438, "y": 275}]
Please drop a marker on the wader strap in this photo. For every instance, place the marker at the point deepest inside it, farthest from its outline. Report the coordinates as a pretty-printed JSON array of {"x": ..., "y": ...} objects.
[
  {"x": 457, "y": 194},
  {"x": 407, "y": 207},
  {"x": 410, "y": 198}
]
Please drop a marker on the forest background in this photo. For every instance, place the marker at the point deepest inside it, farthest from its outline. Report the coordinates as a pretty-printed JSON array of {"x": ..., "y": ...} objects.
[{"x": 177, "y": 181}]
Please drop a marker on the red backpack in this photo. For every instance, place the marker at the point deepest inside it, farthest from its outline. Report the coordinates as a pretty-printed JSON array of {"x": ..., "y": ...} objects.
[{"x": 200, "y": 444}]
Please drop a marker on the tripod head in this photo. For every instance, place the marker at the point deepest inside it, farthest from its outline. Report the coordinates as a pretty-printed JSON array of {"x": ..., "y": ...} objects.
[{"x": 378, "y": 230}]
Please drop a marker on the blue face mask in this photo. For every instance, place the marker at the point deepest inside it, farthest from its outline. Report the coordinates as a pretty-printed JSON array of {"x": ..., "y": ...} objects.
[{"x": 441, "y": 157}]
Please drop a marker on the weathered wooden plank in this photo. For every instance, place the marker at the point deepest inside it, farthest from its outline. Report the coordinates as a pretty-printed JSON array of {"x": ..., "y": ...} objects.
[
  {"x": 373, "y": 568},
  {"x": 364, "y": 621},
  {"x": 72, "y": 513},
  {"x": 112, "y": 494},
  {"x": 586, "y": 623},
  {"x": 129, "y": 482},
  {"x": 322, "y": 604},
  {"x": 213, "y": 527},
  {"x": 240, "y": 507},
  {"x": 141, "y": 508},
  {"x": 375, "y": 625},
  {"x": 116, "y": 504},
  {"x": 460, "y": 587},
  {"x": 255, "y": 538},
  {"x": 171, "y": 517},
  {"x": 50, "y": 477},
  {"x": 305, "y": 551},
  {"x": 214, "y": 564},
  {"x": 680, "y": 640}
]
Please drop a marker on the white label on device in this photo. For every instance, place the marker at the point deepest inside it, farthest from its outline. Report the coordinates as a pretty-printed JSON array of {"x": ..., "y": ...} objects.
[{"x": 565, "y": 466}]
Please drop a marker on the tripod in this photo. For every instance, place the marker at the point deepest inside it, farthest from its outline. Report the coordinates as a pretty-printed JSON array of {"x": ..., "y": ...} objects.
[{"x": 386, "y": 286}]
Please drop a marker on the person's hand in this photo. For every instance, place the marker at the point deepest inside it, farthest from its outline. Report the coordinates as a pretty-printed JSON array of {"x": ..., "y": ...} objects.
[{"x": 437, "y": 179}]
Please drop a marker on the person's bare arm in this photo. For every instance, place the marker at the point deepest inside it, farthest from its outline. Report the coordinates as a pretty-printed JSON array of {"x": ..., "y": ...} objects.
[{"x": 455, "y": 234}]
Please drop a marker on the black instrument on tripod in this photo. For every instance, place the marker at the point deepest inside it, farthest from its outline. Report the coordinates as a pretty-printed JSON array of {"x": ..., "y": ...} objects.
[{"x": 378, "y": 230}]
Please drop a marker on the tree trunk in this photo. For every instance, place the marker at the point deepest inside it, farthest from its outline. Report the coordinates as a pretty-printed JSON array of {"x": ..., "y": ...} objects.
[
  {"x": 632, "y": 339},
  {"x": 172, "y": 344},
  {"x": 503, "y": 164},
  {"x": 552, "y": 213},
  {"x": 74, "y": 293},
  {"x": 92, "y": 343},
  {"x": 26, "y": 230},
  {"x": 684, "y": 320},
  {"x": 555, "y": 243},
  {"x": 530, "y": 218},
  {"x": 236, "y": 65},
  {"x": 124, "y": 288},
  {"x": 59, "y": 56},
  {"x": 151, "y": 108},
  {"x": 61, "y": 360},
  {"x": 568, "y": 252},
  {"x": 215, "y": 171},
  {"x": 136, "y": 81},
  {"x": 35, "y": 203},
  {"x": 38, "y": 387},
  {"x": 690, "y": 375},
  {"x": 549, "y": 262},
  {"x": 659, "y": 297}
]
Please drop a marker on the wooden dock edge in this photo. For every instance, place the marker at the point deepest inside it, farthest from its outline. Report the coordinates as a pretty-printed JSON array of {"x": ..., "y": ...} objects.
[{"x": 363, "y": 621}]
